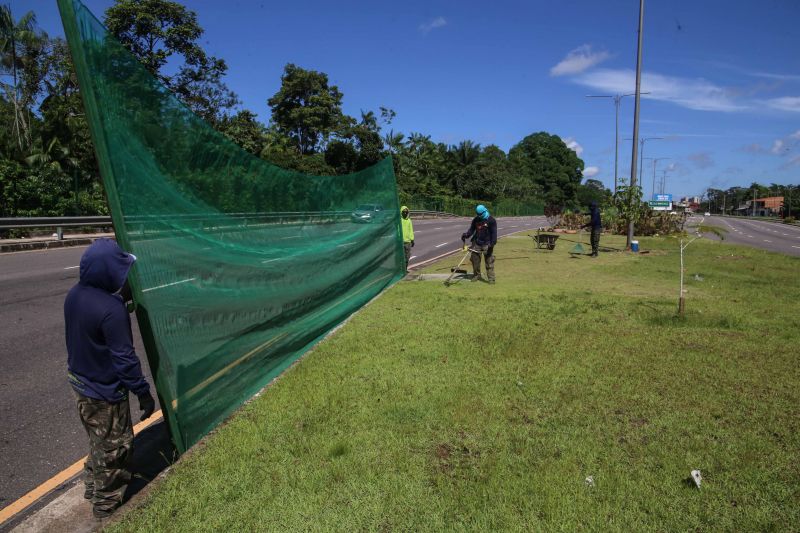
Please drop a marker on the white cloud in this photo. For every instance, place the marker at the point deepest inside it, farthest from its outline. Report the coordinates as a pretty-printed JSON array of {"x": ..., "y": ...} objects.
[
  {"x": 784, "y": 103},
  {"x": 795, "y": 135},
  {"x": 573, "y": 145},
  {"x": 793, "y": 162},
  {"x": 777, "y": 146},
  {"x": 590, "y": 172},
  {"x": 698, "y": 94},
  {"x": 754, "y": 148},
  {"x": 579, "y": 60},
  {"x": 701, "y": 159},
  {"x": 438, "y": 22}
]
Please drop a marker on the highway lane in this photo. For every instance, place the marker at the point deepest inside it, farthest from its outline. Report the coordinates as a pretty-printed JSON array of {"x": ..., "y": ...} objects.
[
  {"x": 772, "y": 236},
  {"x": 435, "y": 238},
  {"x": 40, "y": 434}
]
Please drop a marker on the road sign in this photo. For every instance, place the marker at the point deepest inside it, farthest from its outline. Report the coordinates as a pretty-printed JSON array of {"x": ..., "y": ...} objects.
[
  {"x": 662, "y": 198},
  {"x": 659, "y": 204}
]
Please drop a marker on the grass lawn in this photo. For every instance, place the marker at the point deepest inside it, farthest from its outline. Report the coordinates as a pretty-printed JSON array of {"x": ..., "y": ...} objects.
[{"x": 479, "y": 407}]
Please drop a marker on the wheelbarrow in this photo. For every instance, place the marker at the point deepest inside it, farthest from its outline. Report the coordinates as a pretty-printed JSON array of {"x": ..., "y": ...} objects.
[{"x": 544, "y": 240}]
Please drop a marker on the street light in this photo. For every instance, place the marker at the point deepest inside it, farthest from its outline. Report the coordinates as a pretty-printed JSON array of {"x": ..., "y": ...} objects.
[
  {"x": 641, "y": 155},
  {"x": 664, "y": 180},
  {"x": 636, "y": 112},
  {"x": 617, "y": 98},
  {"x": 655, "y": 161}
]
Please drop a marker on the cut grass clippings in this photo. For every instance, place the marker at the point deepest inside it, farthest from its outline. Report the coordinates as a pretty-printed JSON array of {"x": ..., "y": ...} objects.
[{"x": 485, "y": 407}]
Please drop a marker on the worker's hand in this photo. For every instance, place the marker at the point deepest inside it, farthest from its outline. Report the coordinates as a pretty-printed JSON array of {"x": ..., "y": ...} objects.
[
  {"x": 412, "y": 243},
  {"x": 464, "y": 236},
  {"x": 146, "y": 405}
]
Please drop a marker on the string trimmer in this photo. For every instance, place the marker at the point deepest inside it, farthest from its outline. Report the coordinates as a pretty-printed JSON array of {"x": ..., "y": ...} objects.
[{"x": 457, "y": 269}]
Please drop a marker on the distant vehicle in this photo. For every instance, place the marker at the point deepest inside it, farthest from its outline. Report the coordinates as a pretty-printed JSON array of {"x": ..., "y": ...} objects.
[
  {"x": 707, "y": 214},
  {"x": 368, "y": 213}
]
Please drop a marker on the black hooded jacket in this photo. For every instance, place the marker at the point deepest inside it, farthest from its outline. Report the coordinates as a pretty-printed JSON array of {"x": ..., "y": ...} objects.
[{"x": 101, "y": 361}]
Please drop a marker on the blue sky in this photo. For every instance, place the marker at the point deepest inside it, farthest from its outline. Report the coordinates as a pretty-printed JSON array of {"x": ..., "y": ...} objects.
[{"x": 724, "y": 75}]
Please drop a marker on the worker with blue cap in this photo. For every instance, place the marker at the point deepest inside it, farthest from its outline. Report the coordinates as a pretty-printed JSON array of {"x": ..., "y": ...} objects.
[{"x": 483, "y": 231}]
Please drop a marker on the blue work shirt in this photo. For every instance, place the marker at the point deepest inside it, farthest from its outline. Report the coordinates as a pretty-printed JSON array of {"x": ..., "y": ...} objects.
[{"x": 102, "y": 362}]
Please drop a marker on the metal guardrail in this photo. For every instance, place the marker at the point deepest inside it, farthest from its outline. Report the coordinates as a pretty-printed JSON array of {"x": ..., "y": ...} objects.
[{"x": 213, "y": 219}]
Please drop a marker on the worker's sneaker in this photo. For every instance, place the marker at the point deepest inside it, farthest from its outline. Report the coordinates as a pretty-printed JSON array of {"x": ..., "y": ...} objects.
[
  {"x": 103, "y": 512},
  {"x": 88, "y": 492}
]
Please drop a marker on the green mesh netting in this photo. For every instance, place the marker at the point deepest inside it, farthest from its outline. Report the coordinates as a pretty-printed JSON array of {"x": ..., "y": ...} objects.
[{"x": 242, "y": 265}]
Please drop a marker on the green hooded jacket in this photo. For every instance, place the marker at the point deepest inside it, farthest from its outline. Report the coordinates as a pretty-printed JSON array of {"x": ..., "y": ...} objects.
[{"x": 408, "y": 227}]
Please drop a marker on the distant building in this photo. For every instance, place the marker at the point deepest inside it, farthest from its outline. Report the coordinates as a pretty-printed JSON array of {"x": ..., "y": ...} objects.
[{"x": 764, "y": 207}]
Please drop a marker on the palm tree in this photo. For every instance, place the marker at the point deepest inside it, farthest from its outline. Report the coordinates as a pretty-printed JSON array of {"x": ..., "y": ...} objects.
[{"x": 14, "y": 36}]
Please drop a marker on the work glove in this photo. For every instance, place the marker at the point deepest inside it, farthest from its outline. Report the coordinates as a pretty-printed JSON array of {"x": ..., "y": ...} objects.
[
  {"x": 464, "y": 236},
  {"x": 146, "y": 405},
  {"x": 412, "y": 243}
]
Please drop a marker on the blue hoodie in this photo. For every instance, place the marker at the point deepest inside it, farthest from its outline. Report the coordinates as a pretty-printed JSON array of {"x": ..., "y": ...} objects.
[{"x": 101, "y": 360}]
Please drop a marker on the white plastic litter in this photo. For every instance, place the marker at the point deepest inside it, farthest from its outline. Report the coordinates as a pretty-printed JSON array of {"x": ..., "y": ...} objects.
[
  {"x": 697, "y": 477},
  {"x": 589, "y": 481}
]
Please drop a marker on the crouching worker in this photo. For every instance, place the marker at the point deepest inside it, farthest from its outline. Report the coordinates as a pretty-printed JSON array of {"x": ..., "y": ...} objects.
[
  {"x": 102, "y": 369},
  {"x": 596, "y": 224},
  {"x": 483, "y": 231},
  {"x": 408, "y": 233}
]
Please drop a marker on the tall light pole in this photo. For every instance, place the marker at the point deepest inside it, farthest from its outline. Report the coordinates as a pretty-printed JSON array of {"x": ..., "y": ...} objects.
[
  {"x": 636, "y": 112},
  {"x": 617, "y": 99},
  {"x": 655, "y": 161},
  {"x": 664, "y": 181},
  {"x": 641, "y": 154}
]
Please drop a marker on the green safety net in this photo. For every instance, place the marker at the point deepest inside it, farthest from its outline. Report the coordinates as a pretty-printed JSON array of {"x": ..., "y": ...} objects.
[{"x": 242, "y": 265}]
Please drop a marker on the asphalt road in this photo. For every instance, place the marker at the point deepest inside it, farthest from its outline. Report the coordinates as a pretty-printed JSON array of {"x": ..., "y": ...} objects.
[
  {"x": 40, "y": 434},
  {"x": 772, "y": 236}
]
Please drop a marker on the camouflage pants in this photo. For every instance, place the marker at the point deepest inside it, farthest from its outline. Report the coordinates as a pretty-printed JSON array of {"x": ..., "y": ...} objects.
[
  {"x": 488, "y": 257},
  {"x": 596, "y": 239},
  {"x": 407, "y": 250},
  {"x": 107, "y": 468}
]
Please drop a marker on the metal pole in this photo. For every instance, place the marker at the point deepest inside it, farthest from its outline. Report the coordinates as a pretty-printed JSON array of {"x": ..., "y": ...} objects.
[
  {"x": 616, "y": 140},
  {"x": 654, "y": 178},
  {"x": 636, "y": 112}
]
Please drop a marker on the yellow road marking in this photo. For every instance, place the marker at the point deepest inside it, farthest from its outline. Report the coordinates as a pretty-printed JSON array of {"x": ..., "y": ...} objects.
[{"x": 62, "y": 477}]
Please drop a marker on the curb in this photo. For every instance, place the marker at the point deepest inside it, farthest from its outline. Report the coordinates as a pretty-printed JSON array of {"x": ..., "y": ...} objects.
[{"x": 45, "y": 245}]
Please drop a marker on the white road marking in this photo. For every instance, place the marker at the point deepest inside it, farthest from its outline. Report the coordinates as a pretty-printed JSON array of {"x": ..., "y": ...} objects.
[
  {"x": 271, "y": 260},
  {"x": 785, "y": 234},
  {"x": 513, "y": 226},
  {"x": 169, "y": 284},
  {"x": 438, "y": 228},
  {"x": 440, "y": 245},
  {"x": 412, "y": 257},
  {"x": 70, "y": 268},
  {"x": 765, "y": 240},
  {"x": 793, "y": 246}
]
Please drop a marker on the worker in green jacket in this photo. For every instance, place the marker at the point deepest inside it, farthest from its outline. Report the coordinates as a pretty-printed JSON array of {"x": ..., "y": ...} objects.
[{"x": 408, "y": 233}]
